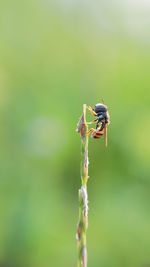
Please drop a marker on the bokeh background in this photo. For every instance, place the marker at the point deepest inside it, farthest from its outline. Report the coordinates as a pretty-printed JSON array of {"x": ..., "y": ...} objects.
[{"x": 54, "y": 57}]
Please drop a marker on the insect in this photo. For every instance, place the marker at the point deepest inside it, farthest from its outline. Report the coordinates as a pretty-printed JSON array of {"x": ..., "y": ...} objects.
[{"x": 102, "y": 121}]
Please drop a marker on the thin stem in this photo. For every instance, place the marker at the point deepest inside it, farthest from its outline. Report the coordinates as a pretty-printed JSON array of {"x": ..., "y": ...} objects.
[{"x": 83, "y": 196}]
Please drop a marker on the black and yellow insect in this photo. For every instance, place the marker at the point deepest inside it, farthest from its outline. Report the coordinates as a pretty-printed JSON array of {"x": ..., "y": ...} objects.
[{"x": 102, "y": 121}]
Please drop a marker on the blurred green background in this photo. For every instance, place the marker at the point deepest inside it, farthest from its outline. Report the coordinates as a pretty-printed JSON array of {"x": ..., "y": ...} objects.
[{"x": 54, "y": 57}]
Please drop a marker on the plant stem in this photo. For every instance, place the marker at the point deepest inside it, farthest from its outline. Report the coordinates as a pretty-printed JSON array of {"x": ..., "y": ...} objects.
[{"x": 83, "y": 196}]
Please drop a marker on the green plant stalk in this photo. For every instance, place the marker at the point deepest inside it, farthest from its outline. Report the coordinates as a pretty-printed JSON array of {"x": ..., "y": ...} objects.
[{"x": 83, "y": 196}]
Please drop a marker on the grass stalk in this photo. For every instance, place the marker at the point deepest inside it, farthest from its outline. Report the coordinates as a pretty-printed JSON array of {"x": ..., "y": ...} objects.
[{"x": 83, "y": 195}]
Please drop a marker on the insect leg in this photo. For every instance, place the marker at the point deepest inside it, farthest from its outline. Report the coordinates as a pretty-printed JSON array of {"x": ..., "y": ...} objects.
[
  {"x": 91, "y": 131},
  {"x": 105, "y": 131},
  {"x": 92, "y": 110},
  {"x": 92, "y": 122}
]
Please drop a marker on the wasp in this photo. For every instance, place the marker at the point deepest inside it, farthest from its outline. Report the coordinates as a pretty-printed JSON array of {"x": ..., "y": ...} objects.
[{"x": 102, "y": 121}]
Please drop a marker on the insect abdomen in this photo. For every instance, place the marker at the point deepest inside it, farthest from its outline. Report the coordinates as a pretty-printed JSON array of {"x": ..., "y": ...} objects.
[{"x": 97, "y": 134}]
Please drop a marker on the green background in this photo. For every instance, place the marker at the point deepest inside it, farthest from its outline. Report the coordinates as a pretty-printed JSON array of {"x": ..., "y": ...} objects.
[{"x": 54, "y": 57}]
